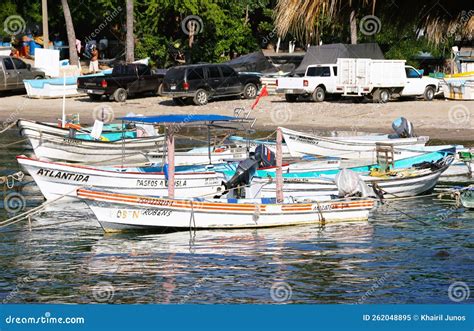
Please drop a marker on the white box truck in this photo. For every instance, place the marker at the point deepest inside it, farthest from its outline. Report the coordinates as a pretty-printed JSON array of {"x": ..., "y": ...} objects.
[{"x": 374, "y": 79}]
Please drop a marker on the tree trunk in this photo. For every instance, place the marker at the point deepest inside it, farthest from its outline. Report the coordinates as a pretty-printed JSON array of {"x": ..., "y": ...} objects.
[
  {"x": 44, "y": 7},
  {"x": 353, "y": 25},
  {"x": 71, "y": 35},
  {"x": 130, "y": 44}
]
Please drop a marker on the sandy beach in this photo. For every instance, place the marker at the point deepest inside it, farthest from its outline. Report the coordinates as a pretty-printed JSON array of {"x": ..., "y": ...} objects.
[{"x": 442, "y": 120}]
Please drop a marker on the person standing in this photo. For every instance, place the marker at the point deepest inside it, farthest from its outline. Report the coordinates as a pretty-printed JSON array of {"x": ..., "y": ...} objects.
[{"x": 94, "y": 64}]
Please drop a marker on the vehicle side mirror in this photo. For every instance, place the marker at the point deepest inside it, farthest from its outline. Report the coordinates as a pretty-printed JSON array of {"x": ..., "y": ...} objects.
[{"x": 28, "y": 66}]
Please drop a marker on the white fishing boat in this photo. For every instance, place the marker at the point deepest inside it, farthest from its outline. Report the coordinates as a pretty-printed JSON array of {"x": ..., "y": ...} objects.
[
  {"x": 393, "y": 184},
  {"x": 253, "y": 143},
  {"x": 200, "y": 155},
  {"x": 69, "y": 149},
  {"x": 119, "y": 212},
  {"x": 51, "y": 87},
  {"x": 62, "y": 180},
  {"x": 122, "y": 212},
  {"x": 59, "y": 87},
  {"x": 350, "y": 147},
  {"x": 27, "y": 126}
]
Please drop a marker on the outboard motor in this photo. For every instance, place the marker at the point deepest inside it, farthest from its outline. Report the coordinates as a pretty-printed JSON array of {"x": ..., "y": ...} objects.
[
  {"x": 243, "y": 175},
  {"x": 403, "y": 128},
  {"x": 349, "y": 184},
  {"x": 265, "y": 156}
]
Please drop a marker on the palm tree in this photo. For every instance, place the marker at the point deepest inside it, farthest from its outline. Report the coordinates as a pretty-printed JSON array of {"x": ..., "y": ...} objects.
[
  {"x": 435, "y": 17},
  {"x": 71, "y": 35},
  {"x": 130, "y": 45}
]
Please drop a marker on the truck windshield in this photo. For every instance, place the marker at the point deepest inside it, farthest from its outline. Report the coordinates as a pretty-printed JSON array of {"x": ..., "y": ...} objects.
[
  {"x": 318, "y": 72},
  {"x": 412, "y": 73}
]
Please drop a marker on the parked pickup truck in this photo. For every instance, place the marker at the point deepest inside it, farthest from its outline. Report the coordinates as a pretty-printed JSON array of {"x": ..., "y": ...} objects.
[
  {"x": 13, "y": 71},
  {"x": 374, "y": 79},
  {"x": 124, "y": 81}
]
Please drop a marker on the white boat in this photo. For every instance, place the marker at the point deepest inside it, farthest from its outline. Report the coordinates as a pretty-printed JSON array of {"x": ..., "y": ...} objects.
[
  {"x": 351, "y": 147},
  {"x": 200, "y": 155},
  {"x": 253, "y": 143},
  {"x": 51, "y": 87},
  {"x": 63, "y": 148},
  {"x": 55, "y": 87},
  {"x": 399, "y": 183},
  {"x": 122, "y": 212},
  {"x": 60, "y": 179}
]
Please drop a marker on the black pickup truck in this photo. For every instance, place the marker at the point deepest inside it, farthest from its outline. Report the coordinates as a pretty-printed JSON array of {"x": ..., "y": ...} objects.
[
  {"x": 202, "y": 82},
  {"x": 125, "y": 80}
]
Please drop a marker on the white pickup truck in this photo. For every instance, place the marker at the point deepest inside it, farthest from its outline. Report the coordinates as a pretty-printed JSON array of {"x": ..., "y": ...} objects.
[{"x": 374, "y": 79}]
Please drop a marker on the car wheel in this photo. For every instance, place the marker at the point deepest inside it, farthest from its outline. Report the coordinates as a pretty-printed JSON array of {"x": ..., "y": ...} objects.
[
  {"x": 95, "y": 97},
  {"x": 120, "y": 95},
  {"x": 201, "y": 97},
  {"x": 179, "y": 101},
  {"x": 250, "y": 91},
  {"x": 319, "y": 94},
  {"x": 429, "y": 93},
  {"x": 384, "y": 95},
  {"x": 291, "y": 97},
  {"x": 160, "y": 90}
]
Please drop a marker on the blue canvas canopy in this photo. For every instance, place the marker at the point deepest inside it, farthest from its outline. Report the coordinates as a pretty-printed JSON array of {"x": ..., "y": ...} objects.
[{"x": 180, "y": 118}]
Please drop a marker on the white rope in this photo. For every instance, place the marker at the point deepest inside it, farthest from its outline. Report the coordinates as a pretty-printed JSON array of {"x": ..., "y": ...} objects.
[{"x": 9, "y": 126}]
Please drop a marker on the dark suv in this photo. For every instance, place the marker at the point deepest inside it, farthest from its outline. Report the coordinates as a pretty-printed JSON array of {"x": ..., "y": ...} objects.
[{"x": 201, "y": 82}]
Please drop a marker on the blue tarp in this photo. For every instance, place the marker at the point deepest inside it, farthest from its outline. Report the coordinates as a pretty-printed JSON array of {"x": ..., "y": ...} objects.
[{"x": 180, "y": 118}]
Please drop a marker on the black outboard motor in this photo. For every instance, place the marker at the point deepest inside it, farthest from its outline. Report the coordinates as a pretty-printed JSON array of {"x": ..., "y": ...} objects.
[
  {"x": 262, "y": 157},
  {"x": 403, "y": 128},
  {"x": 265, "y": 156},
  {"x": 243, "y": 175}
]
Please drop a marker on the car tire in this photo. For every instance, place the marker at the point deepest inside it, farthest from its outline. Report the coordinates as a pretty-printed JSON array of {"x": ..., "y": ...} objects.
[
  {"x": 291, "y": 97},
  {"x": 250, "y": 91},
  {"x": 179, "y": 101},
  {"x": 201, "y": 97},
  {"x": 120, "y": 95},
  {"x": 381, "y": 96},
  {"x": 429, "y": 93},
  {"x": 159, "y": 92},
  {"x": 318, "y": 94},
  {"x": 95, "y": 97}
]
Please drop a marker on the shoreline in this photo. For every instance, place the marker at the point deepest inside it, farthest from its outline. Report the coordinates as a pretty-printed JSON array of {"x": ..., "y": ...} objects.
[{"x": 445, "y": 121}]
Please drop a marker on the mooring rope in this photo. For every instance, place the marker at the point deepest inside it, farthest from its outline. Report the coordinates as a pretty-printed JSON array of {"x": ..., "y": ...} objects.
[
  {"x": 9, "y": 126},
  {"x": 28, "y": 213}
]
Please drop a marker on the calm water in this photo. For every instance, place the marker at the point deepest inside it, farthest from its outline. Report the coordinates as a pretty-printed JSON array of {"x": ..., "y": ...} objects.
[{"x": 408, "y": 252}]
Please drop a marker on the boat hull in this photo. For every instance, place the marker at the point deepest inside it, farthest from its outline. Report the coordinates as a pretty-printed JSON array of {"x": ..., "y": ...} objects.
[
  {"x": 117, "y": 212},
  {"x": 348, "y": 147},
  {"x": 324, "y": 186},
  {"x": 57, "y": 180},
  {"x": 52, "y": 146}
]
